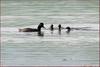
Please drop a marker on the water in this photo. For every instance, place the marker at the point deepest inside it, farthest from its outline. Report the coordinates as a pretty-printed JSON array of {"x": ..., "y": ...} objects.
[{"x": 79, "y": 47}]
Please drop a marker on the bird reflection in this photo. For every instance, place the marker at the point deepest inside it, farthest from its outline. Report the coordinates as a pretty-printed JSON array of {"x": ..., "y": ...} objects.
[
  {"x": 59, "y": 32},
  {"x": 41, "y": 34}
]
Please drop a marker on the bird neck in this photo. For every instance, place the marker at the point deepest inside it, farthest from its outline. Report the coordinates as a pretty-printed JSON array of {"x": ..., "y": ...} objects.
[{"x": 39, "y": 28}]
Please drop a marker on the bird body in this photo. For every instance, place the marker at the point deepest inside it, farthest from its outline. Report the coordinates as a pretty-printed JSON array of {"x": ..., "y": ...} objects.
[{"x": 32, "y": 29}]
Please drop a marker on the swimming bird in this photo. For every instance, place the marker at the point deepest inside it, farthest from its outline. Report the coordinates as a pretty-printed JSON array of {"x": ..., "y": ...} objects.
[
  {"x": 59, "y": 27},
  {"x": 51, "y": 27},
  {"x": 41, "y": 25},
  {"x": 68, "y": 29}
]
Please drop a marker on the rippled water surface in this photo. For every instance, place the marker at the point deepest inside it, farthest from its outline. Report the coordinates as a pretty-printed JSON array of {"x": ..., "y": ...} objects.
[{"x": 79, "y": 47}]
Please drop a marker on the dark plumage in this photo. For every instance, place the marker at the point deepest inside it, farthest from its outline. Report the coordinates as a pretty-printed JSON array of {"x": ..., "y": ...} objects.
[
  {"x": 68, "y": 29},
  {"x": 41, "y": 25},
  {"x": 51, "y": 27},
  {"x": 59, "y": 26}
]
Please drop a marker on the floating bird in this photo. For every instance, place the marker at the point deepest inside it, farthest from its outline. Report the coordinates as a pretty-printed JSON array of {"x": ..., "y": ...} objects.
[
  {"x": 59, "y": 27},
  {"x": 51, "y": 27},
  {"x": 41, "y": 25},
  {"x": 68, "y": 29}
]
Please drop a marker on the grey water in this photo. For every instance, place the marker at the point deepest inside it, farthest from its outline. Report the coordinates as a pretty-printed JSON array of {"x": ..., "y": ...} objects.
[{"x": 80, "y": 47}]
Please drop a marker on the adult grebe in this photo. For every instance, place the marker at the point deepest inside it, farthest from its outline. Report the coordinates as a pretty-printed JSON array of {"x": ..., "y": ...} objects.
[{"x": 41, "y": 25}]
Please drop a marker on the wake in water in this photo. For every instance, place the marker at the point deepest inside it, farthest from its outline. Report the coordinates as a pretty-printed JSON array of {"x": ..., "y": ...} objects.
[{"x": 77, "y": 27}]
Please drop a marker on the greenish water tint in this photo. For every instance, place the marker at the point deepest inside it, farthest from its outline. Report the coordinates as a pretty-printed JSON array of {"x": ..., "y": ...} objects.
[{"x": 79, "y": 47}]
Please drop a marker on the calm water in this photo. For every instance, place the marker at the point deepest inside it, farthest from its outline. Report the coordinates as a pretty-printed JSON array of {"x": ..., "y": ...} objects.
[{"x": 79, "y": 47}]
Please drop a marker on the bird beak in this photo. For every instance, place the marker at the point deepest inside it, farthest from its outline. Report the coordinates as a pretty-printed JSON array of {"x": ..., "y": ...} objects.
[{"x": 44, "y": 27}]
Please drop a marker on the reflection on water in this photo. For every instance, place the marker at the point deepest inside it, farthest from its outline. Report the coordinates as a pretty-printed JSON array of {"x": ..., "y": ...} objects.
[
  {"x": 40, "y": 33},
  {"x": 59, "y": 32},
  {"x": 39, "y": 47},
  {"x": 59, "y": 50}
]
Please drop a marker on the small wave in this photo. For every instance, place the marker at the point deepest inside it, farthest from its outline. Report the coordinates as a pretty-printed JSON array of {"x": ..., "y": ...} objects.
[
  {"x": 9, "y": 29},
  {"x": 15, "y": 17},
  {"x": 85, "y": 29}
]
